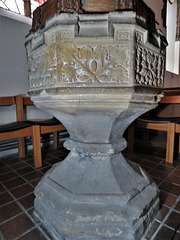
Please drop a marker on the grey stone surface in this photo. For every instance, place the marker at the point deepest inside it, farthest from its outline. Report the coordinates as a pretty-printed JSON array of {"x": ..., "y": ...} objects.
[{"x": 96, "y": 74}]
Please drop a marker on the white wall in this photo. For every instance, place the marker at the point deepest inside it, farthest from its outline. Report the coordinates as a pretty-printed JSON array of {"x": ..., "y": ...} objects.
[{"x": 13, "y": 63}]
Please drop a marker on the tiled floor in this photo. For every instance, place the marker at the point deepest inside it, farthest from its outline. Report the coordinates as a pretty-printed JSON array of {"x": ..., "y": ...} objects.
[{"x": 19, "y": 178}]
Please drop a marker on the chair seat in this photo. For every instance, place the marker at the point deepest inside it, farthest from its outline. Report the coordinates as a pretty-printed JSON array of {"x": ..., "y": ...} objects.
[
  {"x": 159, "y": 119},
  {"x": 45, "y": 122},
  {"x": 14, "y": 126}
]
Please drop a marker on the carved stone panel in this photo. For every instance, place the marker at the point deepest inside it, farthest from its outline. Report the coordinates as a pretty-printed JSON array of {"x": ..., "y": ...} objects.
[
  {"x": 93, "y": 64},
  {"x": 42, "y": 70},
  {"x": 149, "y": 69}
]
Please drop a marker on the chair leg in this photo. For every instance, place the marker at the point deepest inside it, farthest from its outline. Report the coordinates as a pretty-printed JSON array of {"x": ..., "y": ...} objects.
[
  {"x": 55, "y": 140},
  {"x": 131, "y": 138},
  {"x": 21, "y": 147},
  {"x": 179, "y": 144},
  {"x": 170, "y": 142},
  {"x": 37, "y": 146}
]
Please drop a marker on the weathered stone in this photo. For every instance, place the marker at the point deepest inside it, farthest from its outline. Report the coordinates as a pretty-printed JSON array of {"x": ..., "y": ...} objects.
[{"x": 96, "y": 74}]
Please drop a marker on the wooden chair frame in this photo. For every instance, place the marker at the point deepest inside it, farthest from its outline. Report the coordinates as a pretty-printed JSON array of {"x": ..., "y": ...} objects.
[
  {"x": 34, "y": 130},
  {"x": 169, "y": 127}
]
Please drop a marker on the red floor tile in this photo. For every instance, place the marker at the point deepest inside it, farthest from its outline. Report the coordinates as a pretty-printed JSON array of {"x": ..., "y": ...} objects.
[
  {"x": 16, "y": 226},
  {"x": 34, "y": 234},
  {"x": 9, "y": 210},
  {"x": 22, "y": 190},
  {"x": 5, "y": 198}
]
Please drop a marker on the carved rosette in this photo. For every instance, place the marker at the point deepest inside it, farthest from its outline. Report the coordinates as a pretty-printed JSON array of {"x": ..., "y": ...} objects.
[
  {"x": 149, "y": 68},
  {"x": 149, "y": 65}
]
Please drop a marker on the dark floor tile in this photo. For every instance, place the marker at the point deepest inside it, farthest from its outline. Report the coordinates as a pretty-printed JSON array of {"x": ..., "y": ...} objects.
[
  {"x": 157, "y": 180},
  {"x": 33, "y": 175},
  {"x": 9, "y": 210},
  {"x": 177, "y": 236},
  {"x": 30, "y": 162},
  {"x": 162, "y": 213},
  {"x": 166, "y": 164},
  {"x": 16, "y": 226},
  {"x": 34, "y": 234},
  {"x": 155, "y": 160},
  {"x": 164, "y": 233},
  {"x": 35, "y": 182},
  {"x": 158, "y": 174},
  {"x": 147, "y": 164},
  {"x": 152, "y": 230},
  {"x": 2, "y": 164},
  {"x": 14, "y": 183},
  {"x": 27, "y": 201},
  {"x": 174, "y": 179},
  {"x": 53, "y": 161},
  {"x": 173, "y": 219},
  {"x": 22, "y": 190},
  {"x": 19, "y": 165},
  {"x": 2, "y": 189},
  {"x": 167, "y": 199},
  {"x": 25, "y": 170},
  {"x": 163, "y": 168},
  {"x": 146, "y": 168},
  {"x": 177, "y": 208},
  {"x": 4, "y": 169},
  {"x": 12, "y": 161},
  {"x": 135, "y": 159},
  {"x": 45, "y": 169},
  {"x": 8, "y": 176},
  {"x": 45, "y": 230},
  {"x": 176, "y": 172},
  {"x": 5, "y": 198},
  {"x": 170, "y": 187},
  {"x": 31, "y": 212}
]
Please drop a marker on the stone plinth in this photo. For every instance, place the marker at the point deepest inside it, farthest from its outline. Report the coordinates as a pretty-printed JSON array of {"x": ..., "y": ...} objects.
[{"x": 96, "y": 74}]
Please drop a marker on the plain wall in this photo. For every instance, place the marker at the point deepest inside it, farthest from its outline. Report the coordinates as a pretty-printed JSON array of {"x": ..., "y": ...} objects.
[{"x": 13, "y": 63}]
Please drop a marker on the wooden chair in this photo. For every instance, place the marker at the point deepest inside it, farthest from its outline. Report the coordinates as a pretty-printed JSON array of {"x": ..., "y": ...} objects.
[
  {"x": 46, "y": 126},
  {"x": 159, "y": 125},
  {"x": 170, "y": 125},
  {"x": 23, "y": 128},
  {"x": 20, "y": 130}
]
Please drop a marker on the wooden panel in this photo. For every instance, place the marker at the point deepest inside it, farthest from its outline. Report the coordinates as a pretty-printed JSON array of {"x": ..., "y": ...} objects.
[
  {"x": 7, "y": 101},
  {"x": 170, "y": 143},
  {"x": 101, "y": 5},
  {"x": 48, "y": 9},
  {"x": 37, "y": 146},
  {"x": 48, "y": 129},
  {"x": 153, "y": 126},
  {"x": 16, "y": 134},
  {"x": 27, "y": 101},
  {"x": 177, "y": 128},
  {"x": 51, "y": 7},
  {"x": 170, "y": 99},
  {"x": 19, "y": 108}
]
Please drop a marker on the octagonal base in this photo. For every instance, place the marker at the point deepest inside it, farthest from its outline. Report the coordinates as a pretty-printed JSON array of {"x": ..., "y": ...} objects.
[{"x": 105, "y": 206}]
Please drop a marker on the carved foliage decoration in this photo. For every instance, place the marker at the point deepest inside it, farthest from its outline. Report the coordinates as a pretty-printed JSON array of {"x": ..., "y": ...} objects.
[
  {"x": 149, "y": 67},
  {"x": 93, "y": 65},
  {"x": 42, "y": 70}
]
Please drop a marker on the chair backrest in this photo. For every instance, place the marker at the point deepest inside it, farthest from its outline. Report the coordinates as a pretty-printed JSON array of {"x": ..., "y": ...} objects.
[
  {"x": 7, "y": 101},
  {"x": 21, "y": 103}
]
